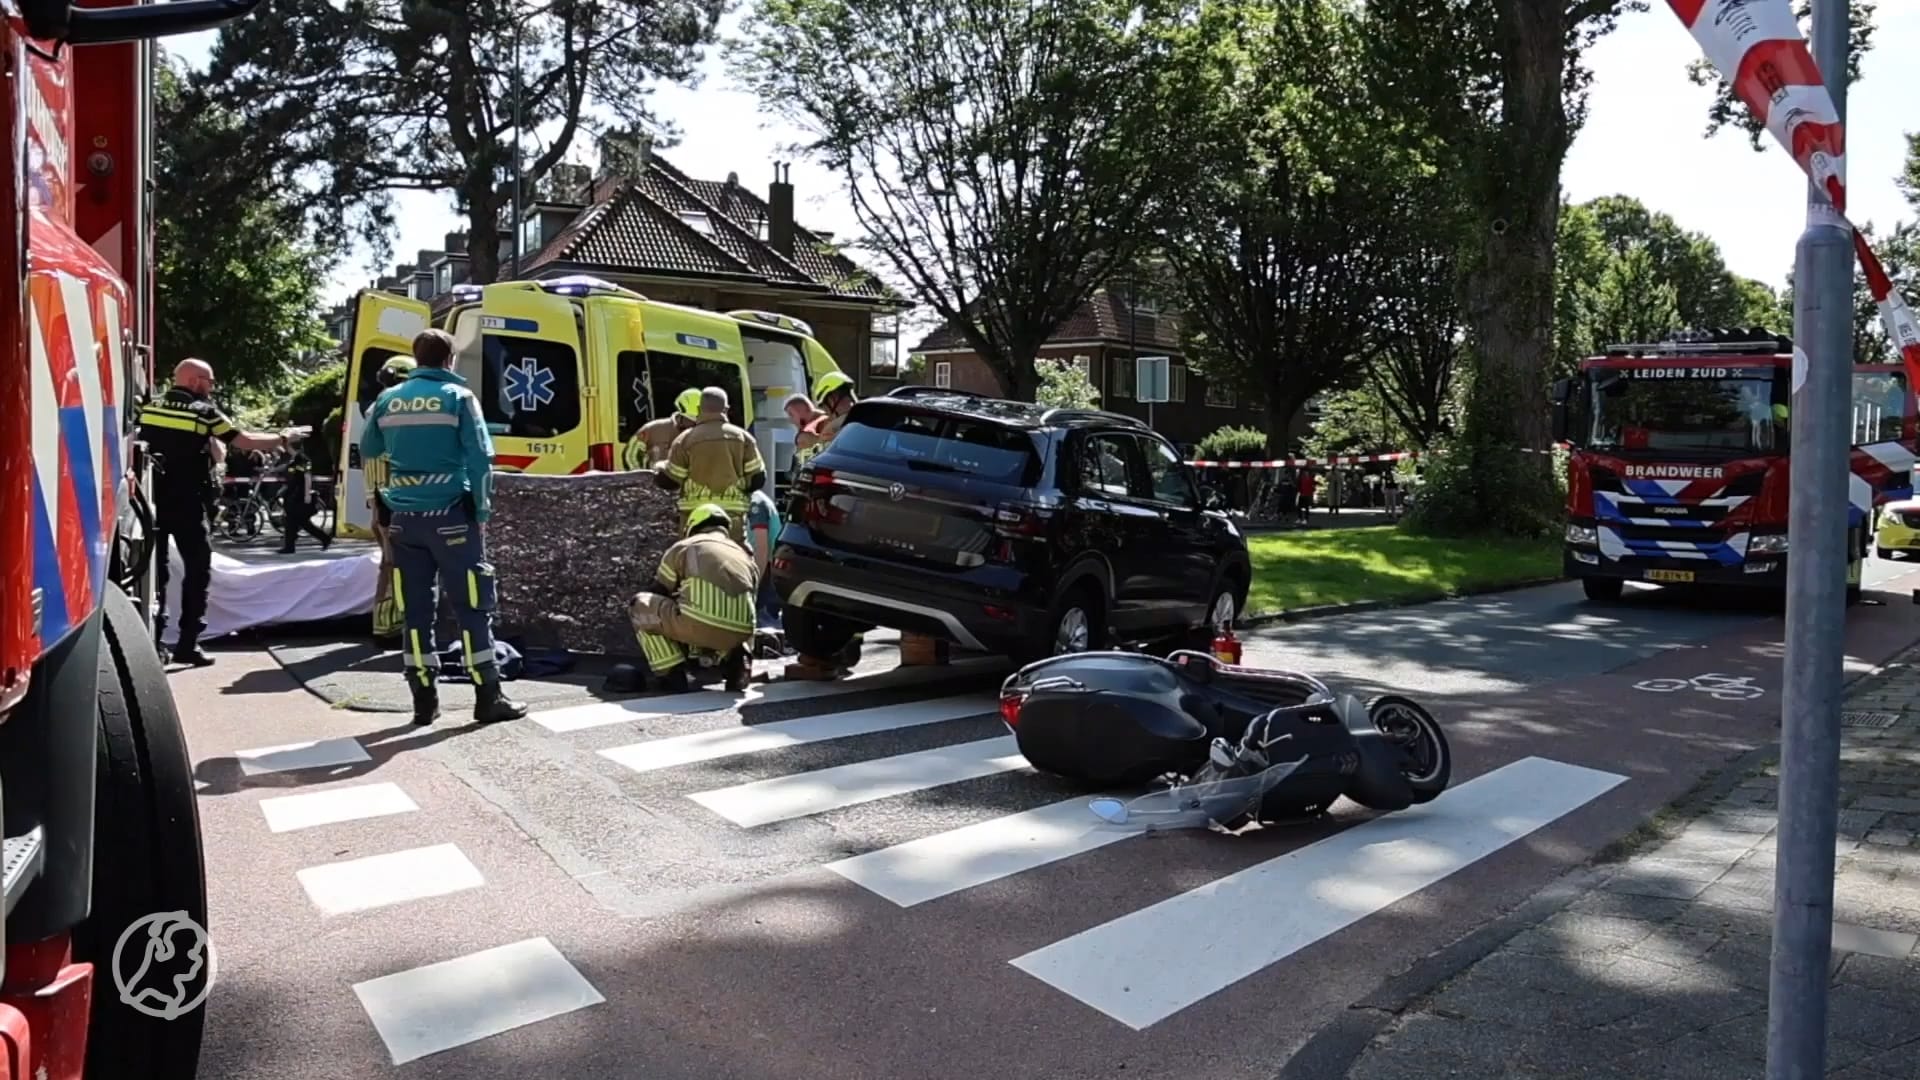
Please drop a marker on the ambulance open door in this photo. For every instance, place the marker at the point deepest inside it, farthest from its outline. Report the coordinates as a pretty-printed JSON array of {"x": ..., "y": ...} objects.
[{"x": 384, "y": 326}]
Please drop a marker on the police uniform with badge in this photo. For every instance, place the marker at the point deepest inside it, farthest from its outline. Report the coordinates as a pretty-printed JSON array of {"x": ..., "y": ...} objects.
[
  {"x": 178, "y": 429},
  {"x": 438, "y": 480}
]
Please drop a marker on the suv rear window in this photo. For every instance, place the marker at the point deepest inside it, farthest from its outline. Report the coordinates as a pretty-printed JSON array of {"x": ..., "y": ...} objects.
[{"x": 947, "y": 444}]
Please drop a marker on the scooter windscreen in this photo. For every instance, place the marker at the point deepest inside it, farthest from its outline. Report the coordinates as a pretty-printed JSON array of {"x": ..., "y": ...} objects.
[{"x": 1215, "y": 795}]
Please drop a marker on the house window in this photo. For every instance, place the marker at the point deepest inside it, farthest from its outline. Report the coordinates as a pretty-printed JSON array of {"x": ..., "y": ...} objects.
[
  {"x": 530, "y": 234},
  {"x": 1219, "y": 395},
  {"x": 697, "y": 221},
  {"x": 943, "y": 375},
  {"x": 883, "y": 347},
  {"x": 443, "y": 278},
  {"x": 1123, "y": 378},
  {"x": 1176, "y": 382}
]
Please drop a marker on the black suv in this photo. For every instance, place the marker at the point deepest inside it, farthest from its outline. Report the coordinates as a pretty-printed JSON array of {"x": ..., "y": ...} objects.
[{"x": 1003, "y": 527}]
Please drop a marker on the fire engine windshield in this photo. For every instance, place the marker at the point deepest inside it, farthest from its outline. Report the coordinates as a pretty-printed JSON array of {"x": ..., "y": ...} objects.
[{"x": 1688, "y": 410}]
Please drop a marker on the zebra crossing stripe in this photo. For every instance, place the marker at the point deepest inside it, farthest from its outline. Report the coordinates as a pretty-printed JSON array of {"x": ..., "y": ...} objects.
[
  {"x": 602, "y": 714},
  {"x": 949, "y": 862},
  {"x": 801, "y": 794},
  {"x": 1150, "y": 964},
  {"x": 733, "y": 741}
]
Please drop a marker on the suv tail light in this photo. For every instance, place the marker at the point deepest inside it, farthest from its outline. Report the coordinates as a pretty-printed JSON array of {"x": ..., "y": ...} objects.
[
  {"x": 813, "y": 498},
  {"x": 1012, "y": 522}
]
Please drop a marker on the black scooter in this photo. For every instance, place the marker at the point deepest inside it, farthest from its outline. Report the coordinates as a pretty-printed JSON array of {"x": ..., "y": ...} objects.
[{"x": 1228, "y": 744}]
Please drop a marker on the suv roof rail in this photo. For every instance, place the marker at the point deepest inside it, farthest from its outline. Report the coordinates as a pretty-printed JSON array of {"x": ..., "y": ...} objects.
[
  {"x": 914, "y": 390},
  {"x": 1052, "y": 415}
]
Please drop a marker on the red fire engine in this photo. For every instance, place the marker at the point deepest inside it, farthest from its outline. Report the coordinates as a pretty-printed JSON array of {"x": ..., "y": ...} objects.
[{"x": 96, "y": 788}]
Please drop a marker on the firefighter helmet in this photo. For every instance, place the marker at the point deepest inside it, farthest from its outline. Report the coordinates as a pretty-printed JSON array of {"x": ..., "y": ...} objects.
[
  {"x": 707, "y": 515},
  {"x": 688, "y": 403},
  {"x": 829, "y": 384}
]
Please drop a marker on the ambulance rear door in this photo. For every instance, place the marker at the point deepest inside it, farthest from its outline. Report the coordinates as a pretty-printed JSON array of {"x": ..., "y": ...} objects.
[
  {"x": 384, "y": 326},
  {"x": 520, "y": 352},
  {"x": 687, "y": 349},
  {"x": 623, "y": 403},
  {"x": 777, "y": 368}
]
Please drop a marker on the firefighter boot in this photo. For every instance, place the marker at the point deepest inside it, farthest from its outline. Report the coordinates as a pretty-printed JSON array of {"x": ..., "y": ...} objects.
[
  {"x": 188, "y": 651},
  {"x": 491, "y": 704},
  {"x": 426, "y": 702},
  {"x": 737, "y": 668}
]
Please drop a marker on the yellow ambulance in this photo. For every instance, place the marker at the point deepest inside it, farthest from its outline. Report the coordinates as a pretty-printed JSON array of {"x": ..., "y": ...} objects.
[{"x": 568, "y": 369}]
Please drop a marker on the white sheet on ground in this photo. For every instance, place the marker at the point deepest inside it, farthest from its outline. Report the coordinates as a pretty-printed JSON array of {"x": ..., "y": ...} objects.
[{"x": 246, "y": 594}]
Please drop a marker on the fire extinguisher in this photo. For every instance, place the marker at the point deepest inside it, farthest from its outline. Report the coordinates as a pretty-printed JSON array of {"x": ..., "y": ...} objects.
[{"x": 1226, "y": 647}]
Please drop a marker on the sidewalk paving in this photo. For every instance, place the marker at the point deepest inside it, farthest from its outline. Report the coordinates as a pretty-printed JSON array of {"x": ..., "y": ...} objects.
[{"x": 1661, "y": 970}]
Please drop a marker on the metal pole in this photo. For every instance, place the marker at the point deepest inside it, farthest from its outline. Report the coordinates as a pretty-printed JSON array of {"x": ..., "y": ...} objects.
[
  {"x": 1817, "y": 534},
  {"x": 518, "y": 212}
]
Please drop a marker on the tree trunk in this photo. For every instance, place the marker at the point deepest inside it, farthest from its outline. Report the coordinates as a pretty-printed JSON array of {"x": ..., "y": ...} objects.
[{"x": 483, "y": 245}]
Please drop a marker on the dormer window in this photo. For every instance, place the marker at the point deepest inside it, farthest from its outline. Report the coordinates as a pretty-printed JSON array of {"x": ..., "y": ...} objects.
[{"x": 698, "y": 221}]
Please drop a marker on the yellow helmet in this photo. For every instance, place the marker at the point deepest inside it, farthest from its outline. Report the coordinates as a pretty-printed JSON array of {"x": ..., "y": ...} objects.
[
  {"x": 828, "y": 383},
  {"x": 707, "y": 514},
  {"x": 688, "y": 403}
]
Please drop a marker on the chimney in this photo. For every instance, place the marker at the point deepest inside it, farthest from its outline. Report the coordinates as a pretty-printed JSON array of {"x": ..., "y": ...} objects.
[
  {"x": 456, "y": 243},
  {"x": 780, "y": 210}
]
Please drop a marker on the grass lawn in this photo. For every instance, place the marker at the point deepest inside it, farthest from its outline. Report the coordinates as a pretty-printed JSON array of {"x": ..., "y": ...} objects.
[{"x": 1344, "y": 566}]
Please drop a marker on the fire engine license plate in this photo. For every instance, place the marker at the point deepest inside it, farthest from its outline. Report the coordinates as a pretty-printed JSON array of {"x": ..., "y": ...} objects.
[{"x": 1669, "y": 575}]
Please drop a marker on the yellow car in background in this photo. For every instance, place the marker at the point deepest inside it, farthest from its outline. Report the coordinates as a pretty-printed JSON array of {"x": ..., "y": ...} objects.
[{"x": 1899, "y": 528}]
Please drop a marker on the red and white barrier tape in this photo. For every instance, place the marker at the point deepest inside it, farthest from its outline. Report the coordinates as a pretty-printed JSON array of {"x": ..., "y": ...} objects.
[
  {"x": 1756, "y": 46},
  {"x": 1338, "y": 459}
]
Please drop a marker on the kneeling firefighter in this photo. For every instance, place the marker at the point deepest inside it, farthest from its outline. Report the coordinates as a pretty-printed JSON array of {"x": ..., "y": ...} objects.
[
  {"x": 713, "y": 462},
  {"x": 708, "y": 584}
]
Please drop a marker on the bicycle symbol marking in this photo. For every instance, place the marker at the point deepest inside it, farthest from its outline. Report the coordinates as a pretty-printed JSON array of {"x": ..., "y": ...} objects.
[{"x": 1720, "y": 687}]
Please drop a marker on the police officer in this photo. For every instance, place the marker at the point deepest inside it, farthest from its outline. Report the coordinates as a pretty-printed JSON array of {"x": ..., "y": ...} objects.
[
  {"x": 296, "y": 502},
  {"x": 713, "y": 462},
  {"x": 650, "y": 444},
  {"x": 707, "y": 586},
  {"x": 386, "y": 604},
  {"x": 439, "y": 481},
  {"x": 179, "y": 430}
]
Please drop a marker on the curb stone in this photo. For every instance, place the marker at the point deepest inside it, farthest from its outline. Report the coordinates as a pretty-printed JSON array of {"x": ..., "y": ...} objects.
[
  {"x": 1322, "y": 611},
  {"x": 1331, "y": 1052}
]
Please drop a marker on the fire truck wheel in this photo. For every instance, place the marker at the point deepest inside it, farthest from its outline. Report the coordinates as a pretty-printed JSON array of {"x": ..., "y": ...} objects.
[
  {"x": 1603, "y": 590},
  {"x": 147, "y": 855}
]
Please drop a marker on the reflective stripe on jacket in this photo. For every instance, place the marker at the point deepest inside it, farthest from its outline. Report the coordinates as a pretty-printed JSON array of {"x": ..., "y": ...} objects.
[
  {"x": 713, "y": 579},
  {"x": 712, "y": 462},
  {"x": 431, "y": 432}
]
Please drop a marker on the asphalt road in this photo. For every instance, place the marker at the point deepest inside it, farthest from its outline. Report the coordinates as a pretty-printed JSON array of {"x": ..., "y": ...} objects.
[{"x": 868, "y": 884}]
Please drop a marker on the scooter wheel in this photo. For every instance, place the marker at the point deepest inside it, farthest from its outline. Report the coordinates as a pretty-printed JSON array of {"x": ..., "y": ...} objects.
[{"x": 1414, "y": 730}]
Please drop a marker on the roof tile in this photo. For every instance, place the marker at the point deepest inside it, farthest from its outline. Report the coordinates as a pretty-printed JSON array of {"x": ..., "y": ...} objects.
[{"x": 1103, "y": 318}]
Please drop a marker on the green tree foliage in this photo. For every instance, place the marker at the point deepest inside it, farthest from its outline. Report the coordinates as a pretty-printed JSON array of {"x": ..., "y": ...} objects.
[
  {"x": 1233, "y": 444},
  {"x": 1627, "y": 273},
  {"x": 1065, "y": 385},
  {"x": 1910, "y": 175},
  {"x": 315, "y": 401},
  {"x": 353, "y": 100},
  {"x": 1003, "y": 157},
  {"x": 1899, "y": 253},
  {"x": 1501, "y": 86},
  {"x": 1292, "y": 227},
  {"x": 1728, "y": 110},
  {"x": 234, "y": 282}
]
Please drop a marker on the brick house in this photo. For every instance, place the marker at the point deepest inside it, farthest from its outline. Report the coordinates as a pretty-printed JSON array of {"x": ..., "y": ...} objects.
[
  {"x": 1102, "y": 338},
  {"x": 710, "y": 244}
]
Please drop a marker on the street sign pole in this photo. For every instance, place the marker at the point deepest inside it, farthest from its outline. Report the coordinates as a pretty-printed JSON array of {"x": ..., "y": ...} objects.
[{"x": 1816, "y": 611}]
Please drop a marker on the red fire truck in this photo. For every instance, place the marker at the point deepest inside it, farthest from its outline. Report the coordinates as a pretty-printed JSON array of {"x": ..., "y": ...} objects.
[
  {"x": 96, "y": 788},
  {"x": 1678, "y": 472}
]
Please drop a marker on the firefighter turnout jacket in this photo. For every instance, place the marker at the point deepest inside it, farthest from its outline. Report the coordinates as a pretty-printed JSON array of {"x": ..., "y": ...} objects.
[
  {"x": 176, "y": 428},
  {"x": 650, "y": 444},
  {"x": 435, "y": 442},
  {"x": 714, "y": 581},
  {"x": 714, "y": 462}
]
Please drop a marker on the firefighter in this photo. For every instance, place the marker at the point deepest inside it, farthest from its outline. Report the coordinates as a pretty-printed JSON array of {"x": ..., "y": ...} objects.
[
  {"x": 650, "y": 444},
  {"x": 707, "y": 585},
  {"x": 713, "y": 462},
  {"x": 179, "y": 430},
  {"x": 834, "y": 392},
  {"x": 439, "y": 481},
  {"x": 386, "y": 604}
]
